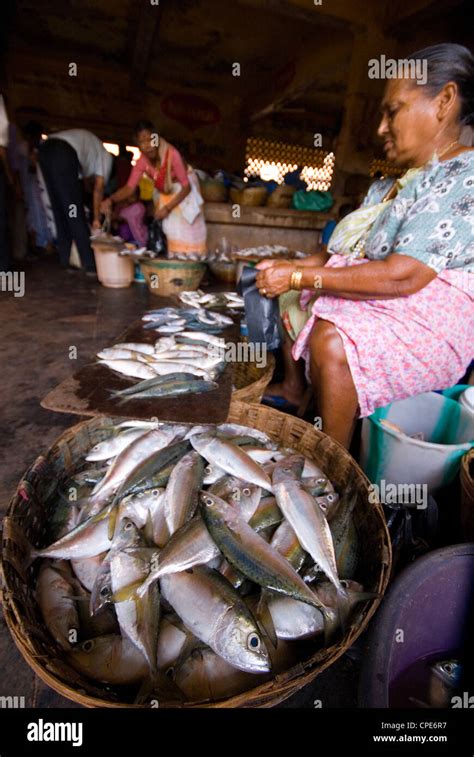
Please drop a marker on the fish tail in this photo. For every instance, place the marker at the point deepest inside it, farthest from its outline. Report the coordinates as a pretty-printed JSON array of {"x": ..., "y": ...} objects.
[{"x": 158, "y": 687}]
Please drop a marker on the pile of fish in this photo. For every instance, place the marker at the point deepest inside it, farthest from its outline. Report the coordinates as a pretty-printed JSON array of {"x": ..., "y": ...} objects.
[
  {"x": 271, "y": 251},
  {"x": 173, "y": 320},
  {"x": 191, "y": 561},
  {"x": 200, "y": 299},
  {"x": 188, "y": 358}
]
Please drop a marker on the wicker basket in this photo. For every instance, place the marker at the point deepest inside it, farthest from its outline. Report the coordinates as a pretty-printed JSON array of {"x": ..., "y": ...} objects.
[
  {"x": 250, "y": 381},
  {"x": 281, "y": 197},
  {"x": 467, "y": 496},
  {"x": 167, "y": 277},
  {"x": 254, "y": 196},
  {"x": 33, "y": 505},
  {"x": 213, "y": 191}
]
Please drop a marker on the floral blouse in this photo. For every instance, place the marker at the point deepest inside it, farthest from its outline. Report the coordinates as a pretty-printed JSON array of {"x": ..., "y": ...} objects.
[{"x": 430, "y": 219}]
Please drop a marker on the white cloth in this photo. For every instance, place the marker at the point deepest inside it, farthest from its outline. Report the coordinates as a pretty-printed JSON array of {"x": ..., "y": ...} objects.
[
  {"x": 192, "y": 204},
  {"x": 3, "y": 124},
  {"x": 94, "y": 159}
]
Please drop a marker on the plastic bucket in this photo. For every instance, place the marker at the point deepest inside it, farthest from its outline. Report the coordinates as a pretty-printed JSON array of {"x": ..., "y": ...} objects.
[
  {"x": 445, "y": 430},
  {"x": 113, "y": 270},
  {"x": 431, "y": 604}
]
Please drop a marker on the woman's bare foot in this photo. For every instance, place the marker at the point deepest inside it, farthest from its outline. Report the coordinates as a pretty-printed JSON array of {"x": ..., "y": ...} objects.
[{"x": 289, "y": 392}]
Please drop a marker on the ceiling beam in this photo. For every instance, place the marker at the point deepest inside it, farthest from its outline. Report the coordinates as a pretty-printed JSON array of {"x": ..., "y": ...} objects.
[
  {"x": 336, "y": 14},
  {"x": 149, "y": 18},
  {"x": 400, "y": 12}
]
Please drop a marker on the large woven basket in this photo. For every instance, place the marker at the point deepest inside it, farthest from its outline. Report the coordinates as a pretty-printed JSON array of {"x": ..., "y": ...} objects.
[
  {"x": 250, "y": 381},
  {"x": 33, "y": 505},
  {"x": 467, "y": 496},
  {"x": 167, "y": 277}
]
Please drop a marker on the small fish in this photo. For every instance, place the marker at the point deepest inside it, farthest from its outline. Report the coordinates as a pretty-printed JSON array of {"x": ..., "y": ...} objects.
[
  {"x": 231, "y": 459},
  {"x": 112, "y": 447},
  {"x": 109, "y": 659},
  {"x": 249, "y": 553},
  {"x": 88, "y": 539},
  {"x": 297, "y": 620},
  {"x": 138, "y": 618},
  {"x": 204, "y": 676},
  {"x": 147, "y": 349},
  {"x": 307, "y": 520},
  {"x": 182, "y": 491},
  {"x": 131, "y": 368},
  {"x": 216, "y": 614},
  {"x": 55, "y": 596}
]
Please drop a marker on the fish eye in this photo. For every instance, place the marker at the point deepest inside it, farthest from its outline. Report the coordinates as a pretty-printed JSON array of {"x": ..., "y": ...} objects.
[
  {"x": 208, "y": 469},
  {"x": 104, "y": 591},
  {"x": 155, "y": 492},
  {"x": 331, "y": 497},
  {"x": 253, "y": 641},
  {"x": 320, "y": 481},
  {"x": 345, "y": 583},
  {"x": 88, "y": 645},
  {"x": 128, "y": 525},
  {"x": 448, "y": 667},
  {"x": 208, "y": 501},
  {"x": 246, "y": 492}
]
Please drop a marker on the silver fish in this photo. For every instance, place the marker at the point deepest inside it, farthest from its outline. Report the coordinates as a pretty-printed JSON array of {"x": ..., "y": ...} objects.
[
  {"x": 182, "y": 491},
  {"x": 109, "y": 659},
  {"x": 215, "y": 613},
  {"x": 231, "y": 459},
  {"x": 55, "y": 596}
]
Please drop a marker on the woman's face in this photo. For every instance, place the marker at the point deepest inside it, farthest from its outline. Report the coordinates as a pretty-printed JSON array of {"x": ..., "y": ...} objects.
[
  {"x": 410, "y": 123},
  {"x": 147, "y": 144}
]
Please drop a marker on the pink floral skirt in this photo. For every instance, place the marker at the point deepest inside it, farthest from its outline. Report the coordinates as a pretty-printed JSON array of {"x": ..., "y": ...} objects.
[{"x": 401, "y": 347}]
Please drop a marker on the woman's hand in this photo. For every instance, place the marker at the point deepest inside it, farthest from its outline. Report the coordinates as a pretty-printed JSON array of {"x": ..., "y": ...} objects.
[
  {"x": 275, "y": 280},
  {"x": 106, "y": 206},
  {"x": 96, "y": 225},
  {"x": 161, "y": 213}
]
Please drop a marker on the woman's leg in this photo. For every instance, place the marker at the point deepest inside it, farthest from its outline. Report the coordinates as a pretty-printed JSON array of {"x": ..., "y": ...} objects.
[
  {"x": 293, "y": 385},
  {"x": 332, "y": 382}
]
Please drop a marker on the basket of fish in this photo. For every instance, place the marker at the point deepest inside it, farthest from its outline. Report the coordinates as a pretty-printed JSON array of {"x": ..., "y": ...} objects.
[{"x": 168, "y": 565}]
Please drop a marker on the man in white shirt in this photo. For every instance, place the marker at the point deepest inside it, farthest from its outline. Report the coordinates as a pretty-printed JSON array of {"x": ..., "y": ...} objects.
[{"x": 65, "y": 158}]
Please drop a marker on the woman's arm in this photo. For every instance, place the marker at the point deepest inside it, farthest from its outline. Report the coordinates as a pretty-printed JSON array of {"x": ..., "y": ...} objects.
[{"x": 396, "y": 276}]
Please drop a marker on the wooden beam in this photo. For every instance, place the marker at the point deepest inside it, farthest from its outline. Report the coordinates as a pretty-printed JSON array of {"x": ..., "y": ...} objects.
[
  {"x": 335, "y": 14},
  {"x": 149, "y": 18},
  {"x": 400, "y": 12}
]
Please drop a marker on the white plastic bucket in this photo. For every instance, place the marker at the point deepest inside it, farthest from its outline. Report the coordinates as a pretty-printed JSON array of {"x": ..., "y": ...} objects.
[
  {"x": 113, "y": 270},
  {"x": 446, "y": 429}
]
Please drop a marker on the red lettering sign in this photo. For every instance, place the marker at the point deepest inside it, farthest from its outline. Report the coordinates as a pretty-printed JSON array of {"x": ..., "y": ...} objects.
[{"x": 191, "y": 110}]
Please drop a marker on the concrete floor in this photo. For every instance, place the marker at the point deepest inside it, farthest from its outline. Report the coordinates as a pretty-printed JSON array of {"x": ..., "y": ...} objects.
[{"x": 61, "y": 310}]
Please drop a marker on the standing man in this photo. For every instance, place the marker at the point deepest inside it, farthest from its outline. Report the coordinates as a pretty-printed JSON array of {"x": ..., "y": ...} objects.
[{"x": 65, "y": 158}]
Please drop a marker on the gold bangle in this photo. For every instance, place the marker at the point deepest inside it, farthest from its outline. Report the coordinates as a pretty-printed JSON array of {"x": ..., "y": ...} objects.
[{"x": 295, "y": 280}]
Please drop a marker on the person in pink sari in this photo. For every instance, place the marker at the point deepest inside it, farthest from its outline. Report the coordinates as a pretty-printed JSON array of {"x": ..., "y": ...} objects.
[
  {"x": 388, "y": 311},
  {"x": 178, "y": 202}
]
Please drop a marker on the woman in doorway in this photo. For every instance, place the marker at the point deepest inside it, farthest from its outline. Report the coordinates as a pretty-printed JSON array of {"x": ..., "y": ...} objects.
[{"x": 178, "y": 202}]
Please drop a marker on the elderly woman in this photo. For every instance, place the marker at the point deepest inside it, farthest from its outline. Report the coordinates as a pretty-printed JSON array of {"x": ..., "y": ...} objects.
[
  {"x": 178, "y": 202},
  {"x": 388, "y": 311}
]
